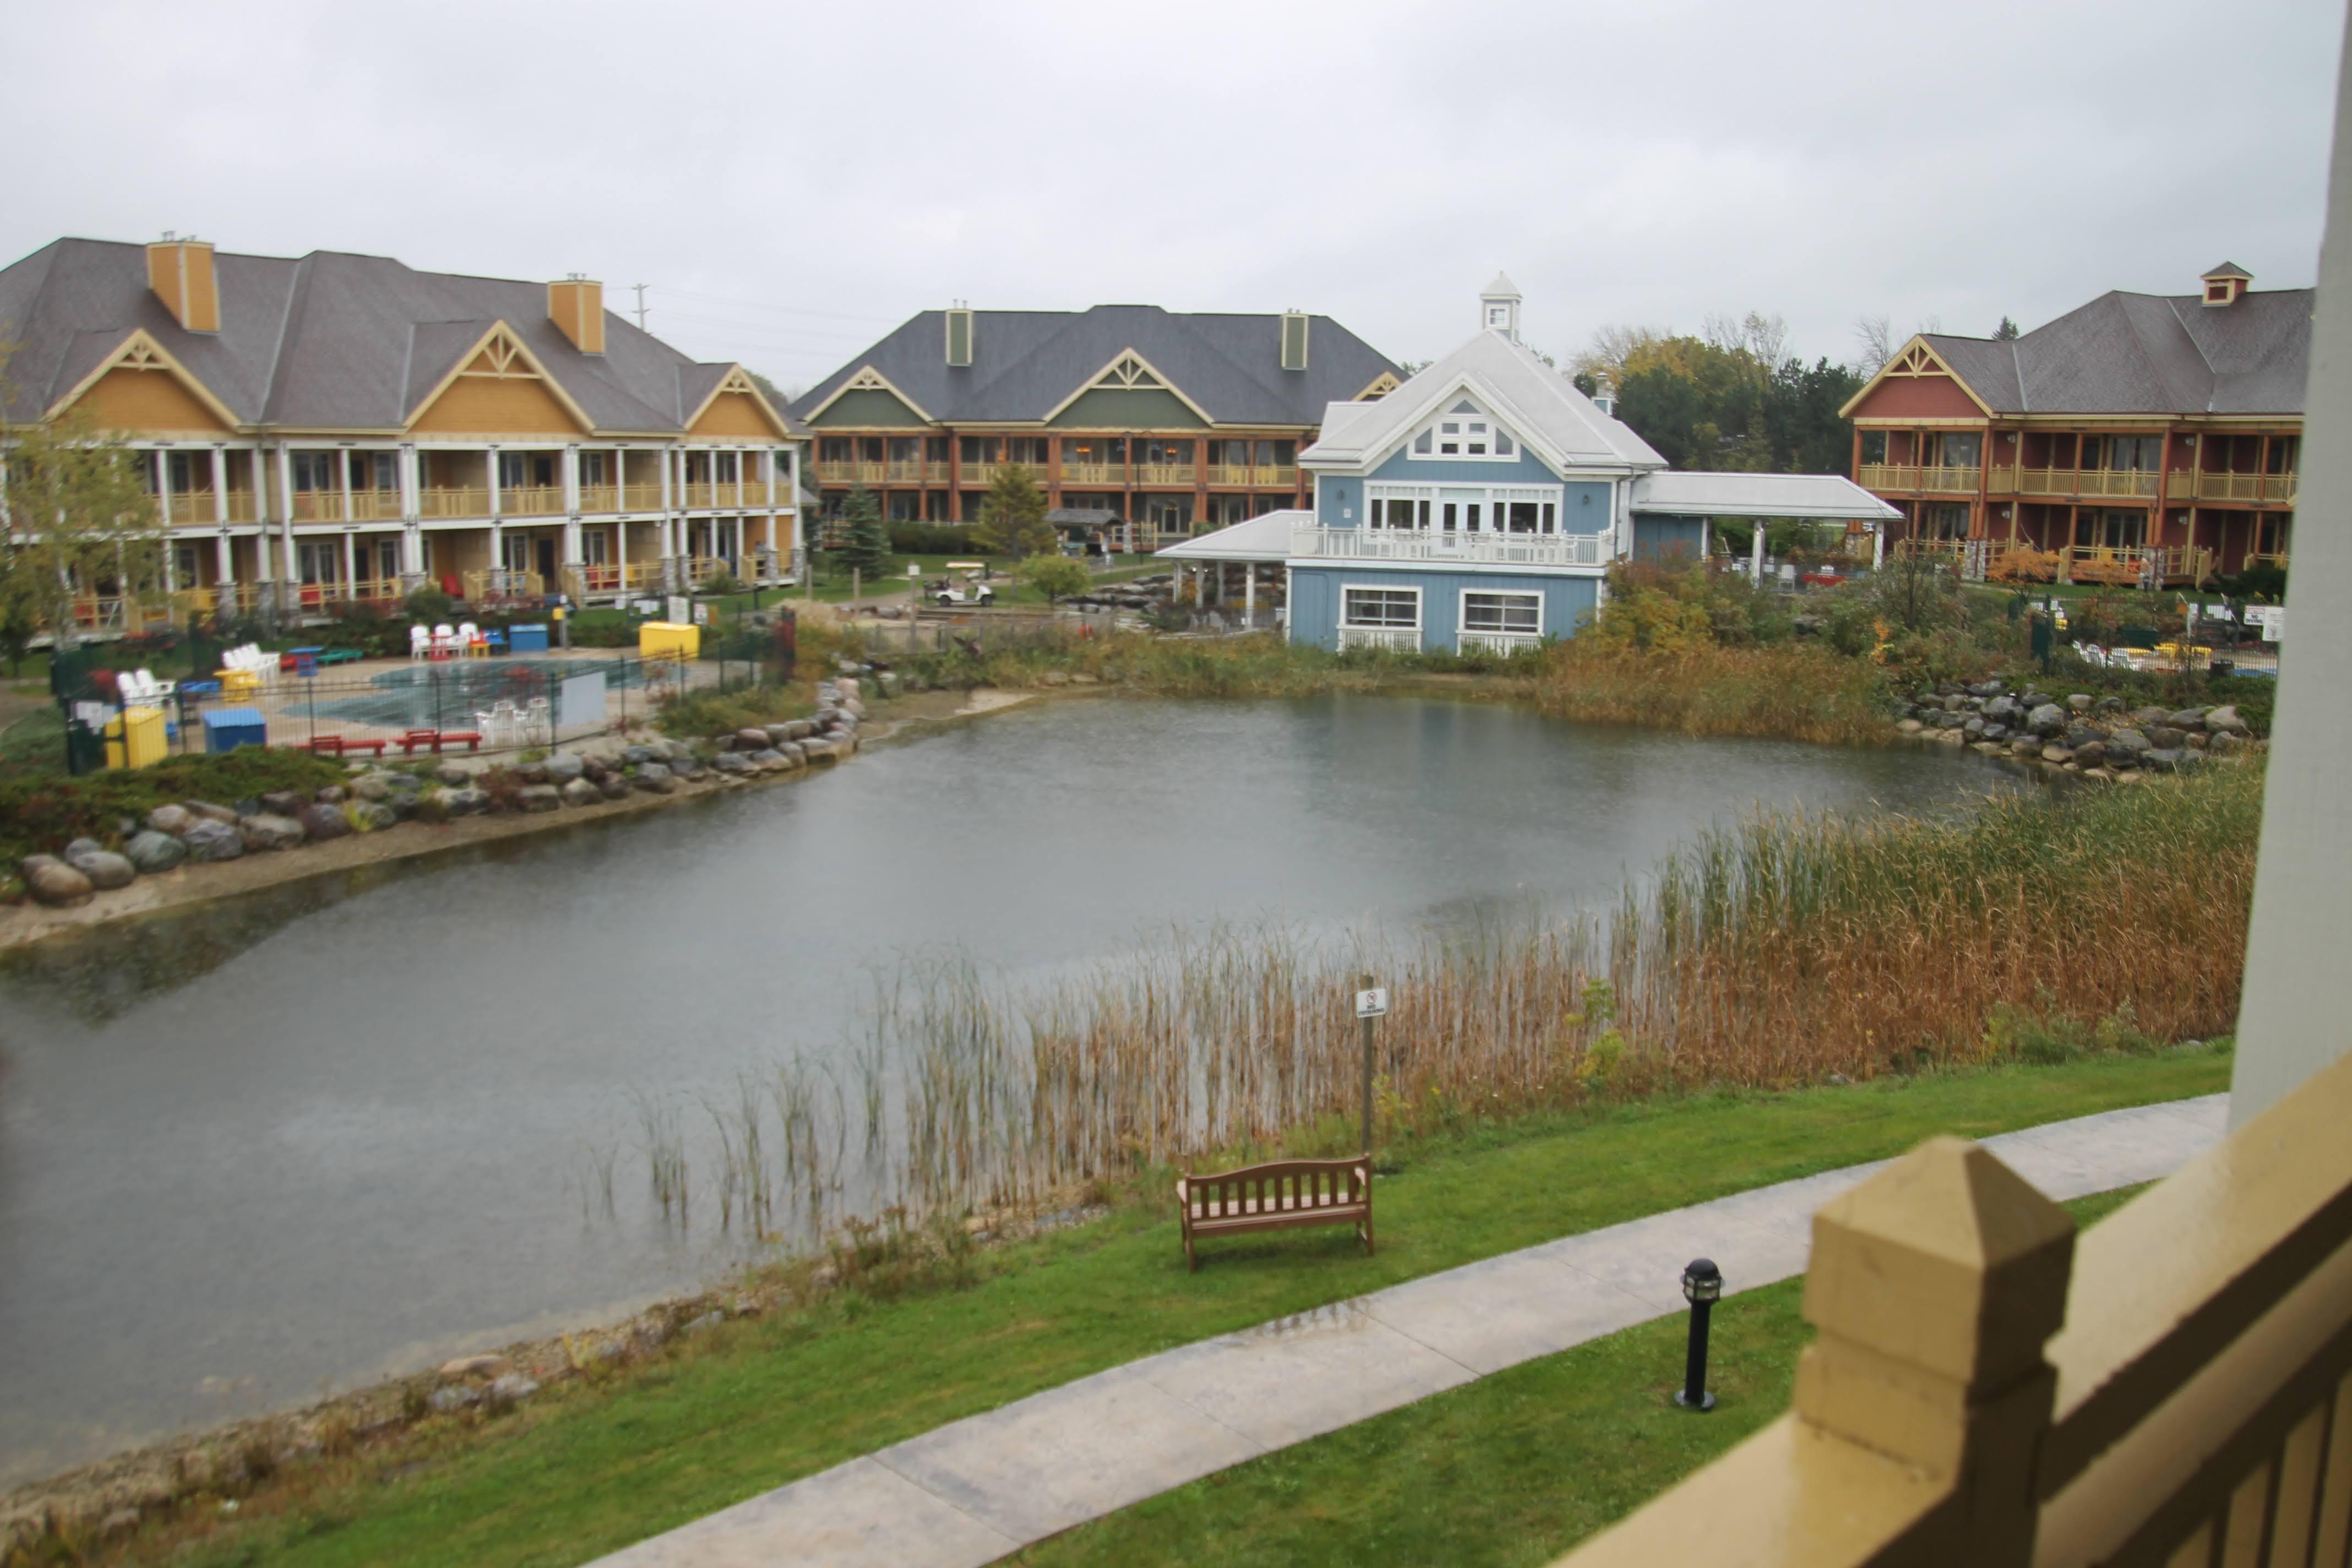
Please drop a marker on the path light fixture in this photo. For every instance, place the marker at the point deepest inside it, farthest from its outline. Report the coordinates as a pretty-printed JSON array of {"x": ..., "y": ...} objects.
[{"x": 1702, "y": 1287}]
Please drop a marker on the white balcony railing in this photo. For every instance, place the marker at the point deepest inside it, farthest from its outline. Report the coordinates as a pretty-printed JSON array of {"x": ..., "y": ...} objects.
[
  {"x": 1390, "y": 640},
  {"x": 1502, "y": 644},
  {"x": 1489, "y": 549}
]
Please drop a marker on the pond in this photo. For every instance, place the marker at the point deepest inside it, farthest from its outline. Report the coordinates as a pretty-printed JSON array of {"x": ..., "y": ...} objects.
[{"x": 340, "y": 1132}]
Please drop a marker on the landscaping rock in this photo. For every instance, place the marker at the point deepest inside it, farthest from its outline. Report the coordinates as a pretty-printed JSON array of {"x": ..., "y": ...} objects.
[
  {"x": 2026, "y": 746},
  {"x": 676, "y": 751},
  {"x": 491, "y": 1364},
  {"x": 2002, "y": 710},
  {"x": 2198, "y": 741},
  {"x": 767, "y": 757},
  {"x": 211, "y": 840},
  {"x": 2099, "y": 774},
  {"x": 771, "y": 735},
  {"x": 2130, "y": 740},
  {"x": 799, "y": 729},
  {"x": 332, "y": 794},
  {"x": 2148, "y": 718},
  {"x": 154, "y": 851},
  {"x": 888, "y": 681},
  {"x": 531, "y": 773},
  {"x": 172, "y": 819},
  {"x": 452, "y": 776},
  {"x": 2081, "y": 735},
  {"x": 563, "y": 767},
  {"x": 432, "y": 806},
  {"x": 2108, "y": 705},
  {"x": 2224, "y": 743},
  {"x": 655, "y": 778},
  {"x": 282, "y": 802},
  {"x": 467, "y": 802},
  {"x": 1996, "y": 733},
  {"x": 1989, "y": 747},
  {"x": 2224, "y": 720},
  {"x": 734, "y": 762},
  {"x": 636, "y": 756},
  {"x": 2092, "y": 754},
  {"x": 323, "y": 820},
  {"x": 2168, "y": 737},
  {"x": 581, "y": 792},
  {"x": 2191, "y": 719},
  {"x": 54, "y": 883},
  {"x": 688, "y": 767},
  {"x": 369, "y": 816},
  {"x": 539, "y": 797},
  {"x": 2048, "y": 721},
  {"x": 268, "y": 830},
  {"x": 210, "y": 811},
  {"x": 453, "y": 1397},
  {"x": 513, "y": 1388},
  {"x": 755, "y": 738},
  {"x": 1908, "y": 726},
  {"x": 2131, "y": 775},
  {"x": 2165, "y": 759},
  {"x": 2080, "y": 702},
  {"x": 2054, "y": 752},
  {"x": 371, "y": 786},
  {"x": 612, "y": 786},
  {"x": 817, "y": 748}
]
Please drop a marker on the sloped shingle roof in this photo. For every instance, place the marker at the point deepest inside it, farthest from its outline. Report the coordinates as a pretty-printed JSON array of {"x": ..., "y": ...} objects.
[
  {"x": 1025, "y": 363},
  {"x": 328, "y": 340},
  {"x": 2147, "y": 353}
]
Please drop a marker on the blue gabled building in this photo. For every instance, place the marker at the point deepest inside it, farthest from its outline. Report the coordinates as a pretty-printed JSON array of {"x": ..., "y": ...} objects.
[{"x": 1479, "y": 506}]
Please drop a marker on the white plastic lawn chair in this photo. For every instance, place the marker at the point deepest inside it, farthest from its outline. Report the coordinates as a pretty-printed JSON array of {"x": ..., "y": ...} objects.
[
  {"x": 420, "y": 643},
  {"x": 469, "y": 639},
  {"x": 538, "y": 724},
  {"x": 444, "y": 641}
]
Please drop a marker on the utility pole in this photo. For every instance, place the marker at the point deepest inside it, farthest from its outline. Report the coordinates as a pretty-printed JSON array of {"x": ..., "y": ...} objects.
[{"x": 640, "y": 287}]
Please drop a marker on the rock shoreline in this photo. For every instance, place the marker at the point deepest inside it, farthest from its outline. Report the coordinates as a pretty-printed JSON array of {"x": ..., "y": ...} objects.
[{"x": 2093, "y": 737}]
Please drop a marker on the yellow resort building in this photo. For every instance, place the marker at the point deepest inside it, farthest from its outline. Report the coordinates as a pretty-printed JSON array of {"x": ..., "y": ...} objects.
[{"x": 342, "y": 427}]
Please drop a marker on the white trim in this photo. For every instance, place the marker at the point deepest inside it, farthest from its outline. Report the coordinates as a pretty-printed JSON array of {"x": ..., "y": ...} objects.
[
  {"x": 1402, "y": 639},
  {"x": 1420, "y": 550},
  {"x": 1475, "y": 425},
  {"x": 1461, "y": 611},
  {"x": 1429, "y": 517}
]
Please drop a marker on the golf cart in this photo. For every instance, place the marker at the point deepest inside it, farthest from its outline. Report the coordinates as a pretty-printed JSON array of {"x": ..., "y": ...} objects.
[{"x": 973, "y": 589}]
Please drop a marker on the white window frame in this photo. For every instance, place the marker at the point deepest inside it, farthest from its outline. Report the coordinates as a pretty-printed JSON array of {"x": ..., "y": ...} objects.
[
  {"x": 1464, "y": 428},
  {"x": 1394, "y": 638},
  {"x": 1490, "y": 500},
  {"x": 1462, "y": 610}
]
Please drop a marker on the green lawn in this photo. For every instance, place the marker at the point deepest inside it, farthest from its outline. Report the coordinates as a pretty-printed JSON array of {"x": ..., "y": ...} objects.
[
  {"x": 1513, "y": 1469},
  {"x": 586, "y": 1468}
]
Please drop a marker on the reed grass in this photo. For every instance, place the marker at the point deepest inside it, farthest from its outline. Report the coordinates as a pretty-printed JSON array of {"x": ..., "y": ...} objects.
[
  {"x": 1779, "y": 952},
  {"x": 1797, "y": 690}
]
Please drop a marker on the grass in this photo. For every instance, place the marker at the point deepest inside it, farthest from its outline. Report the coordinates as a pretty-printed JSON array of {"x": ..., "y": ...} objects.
[
  {"x": 42, "y": 813},
  {"x": 1798, "y": 690},
  {"x": 598, "y": 1462},
  {"x": 1512, "y": 1470}
]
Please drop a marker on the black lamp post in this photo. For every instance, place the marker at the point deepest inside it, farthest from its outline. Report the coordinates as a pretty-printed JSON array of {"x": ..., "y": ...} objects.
[{"x": 1702, "y": 1285}]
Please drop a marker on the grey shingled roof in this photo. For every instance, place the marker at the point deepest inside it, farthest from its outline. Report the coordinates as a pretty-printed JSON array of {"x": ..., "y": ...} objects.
[
  {"x": 1027, "y": 363},
  {"x": 328, "y": 340},
  {"x": 2147, "y": 353}
]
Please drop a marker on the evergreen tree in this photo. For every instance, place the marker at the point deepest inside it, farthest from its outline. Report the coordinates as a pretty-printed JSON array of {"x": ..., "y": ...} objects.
[
  {"x": 2005, "y": 332},
  {"x": 868, "y": 548},
  {"x": 1013, "y": 517}
]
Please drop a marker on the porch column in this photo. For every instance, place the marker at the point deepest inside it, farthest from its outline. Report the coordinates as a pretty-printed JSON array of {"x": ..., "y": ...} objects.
[
  {"x": 162, "y": 469},
  {"x": 289, "y": 571},
  {"x": 571, "y": 482},
  {"x": 412, "y": 507},
  {"x": 1877, "y": 542},
  {"x": 343, "y": 474},
  {"x": 1249, "y": 591},
  {"x": 1756, "y": 552},
  {"x": 621, "y": 555},
  {"x": 224, "y": 557},
  {"x": 351, "y": 559},
  {"x": 263, "y": 564}
]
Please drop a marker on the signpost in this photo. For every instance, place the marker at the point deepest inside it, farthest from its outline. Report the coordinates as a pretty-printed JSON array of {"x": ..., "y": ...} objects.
[
  {"x": 1371, "y": 1001},
  {"x": 914, "y": 602}
]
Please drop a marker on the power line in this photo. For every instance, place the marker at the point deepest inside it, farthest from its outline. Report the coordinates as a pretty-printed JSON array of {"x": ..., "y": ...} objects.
[{"x": 781, "y": 310}]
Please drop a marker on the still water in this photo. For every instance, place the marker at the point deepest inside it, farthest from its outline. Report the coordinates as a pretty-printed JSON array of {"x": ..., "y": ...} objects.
[{"x": 339, "y": 1133}]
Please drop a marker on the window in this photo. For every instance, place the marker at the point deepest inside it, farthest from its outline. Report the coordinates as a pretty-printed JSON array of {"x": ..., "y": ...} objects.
[
  {"x": 905, "y": 448},
  {"x": 595, "y": 546},
  {"x": 935, "y": 449},
  {"x": 315, "y": 472},
  {"x": 2111, "y": 527},
  {"x": 318, "y": 561},
  {"x": 1499, "y": 315},
  {"x": 593, "y": 468},
  {"x": 1953, "y": 449},
  {"x": 979, "y": 448},
  {"x": 1399, "y": 511},
  {"x": 1466, "y": 509},
  {"x": 1466, "y": 430},
  {"x": 183, "y": 565},
  {"x": 2283, "y": 454},
  {"x": 1154, "y": 452},
  {"x": 833, "y": 449},
  {"x": 1396, "y": 609},
  {"x": 1519, "y": 613},
  {"x": 534, "y": 470},
  {"x": 2123, "y": 454}
]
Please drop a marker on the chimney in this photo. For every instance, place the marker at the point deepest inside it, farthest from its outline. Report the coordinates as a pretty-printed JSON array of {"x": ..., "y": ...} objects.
[
  {"x": 959, "y": 343},
  {"x": 1294, "y": 340},
  {"x": 576, "y": 305},
  {"x": 181, "y": 273},
  {"x": 2225, "y": 283}
]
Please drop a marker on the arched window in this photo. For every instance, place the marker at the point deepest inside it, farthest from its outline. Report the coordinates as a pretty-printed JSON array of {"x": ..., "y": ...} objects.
[{"x": 1465, "y": 432}]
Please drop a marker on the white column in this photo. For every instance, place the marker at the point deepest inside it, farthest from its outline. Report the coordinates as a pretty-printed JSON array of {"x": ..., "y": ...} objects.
[
  {"x": 351, "y": 559},
  {"x": 571, "y": 480},
  {"x": 1756, "y": 552},
  {"x": 344, "y": 473},
  {"x": 225, "y": 555},
  {"x": 289, "y": 571},
  {"x": 1249, "y": 591},
  {"x": 621, "y": 555},
  {"x": 1877, "y": 542},
  {"x": 265, "y": 567},
  {"x": 490, "y": 474}
]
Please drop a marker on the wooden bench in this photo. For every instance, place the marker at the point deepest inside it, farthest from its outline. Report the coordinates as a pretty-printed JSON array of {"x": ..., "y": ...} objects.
[{"x": 1274, "y": 1197}]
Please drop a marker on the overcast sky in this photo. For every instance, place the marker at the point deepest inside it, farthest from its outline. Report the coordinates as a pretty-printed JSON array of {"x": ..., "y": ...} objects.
[{"x": 792, "y": 180}]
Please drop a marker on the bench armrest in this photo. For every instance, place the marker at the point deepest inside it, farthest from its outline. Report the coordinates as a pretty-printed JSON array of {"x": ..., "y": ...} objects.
[{"x": 1183, "y": 1188}]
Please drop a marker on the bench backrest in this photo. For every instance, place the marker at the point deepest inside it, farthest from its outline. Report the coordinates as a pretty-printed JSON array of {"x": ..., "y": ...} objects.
[{"x": 1283, "y": 1184}]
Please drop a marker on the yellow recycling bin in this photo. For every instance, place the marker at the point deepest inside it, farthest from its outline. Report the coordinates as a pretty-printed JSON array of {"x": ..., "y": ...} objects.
[
  {"x": 668, "y": 639},
  {"x": 135, "y": 739}
]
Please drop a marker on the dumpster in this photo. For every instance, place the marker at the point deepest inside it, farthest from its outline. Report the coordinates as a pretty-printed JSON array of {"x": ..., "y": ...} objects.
[
  {"x": 227, "y": 728},
  {"x": 527, "y": 639},
  {"x": 668, "y": 639},
  {"x": 135, "y": 738}
]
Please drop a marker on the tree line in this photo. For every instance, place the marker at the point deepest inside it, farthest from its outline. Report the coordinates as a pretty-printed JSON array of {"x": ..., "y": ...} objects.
[{"x": 1731, "y": 398}]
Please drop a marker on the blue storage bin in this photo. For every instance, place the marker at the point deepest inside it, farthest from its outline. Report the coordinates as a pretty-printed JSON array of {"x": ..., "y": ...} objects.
[
  {"x": 527, "y": 639},
  {"x": 227, "y": 728}
]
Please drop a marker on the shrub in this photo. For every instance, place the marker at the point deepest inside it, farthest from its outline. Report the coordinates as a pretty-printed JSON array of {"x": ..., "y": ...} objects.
[
  {"x": 42, "y": 814},
  {"x": 932, "y": 539}
]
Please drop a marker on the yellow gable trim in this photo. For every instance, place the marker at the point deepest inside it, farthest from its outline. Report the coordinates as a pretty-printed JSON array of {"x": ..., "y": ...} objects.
[
  {"x": 868, "y": 379},
  {"x": 500, "y": 358},
  {"x": 139, "y": 353},
  {"x": 1914, "y": 359},
  {"x": 738, "y": 383},
  {"x": 1129, "y": 371}
]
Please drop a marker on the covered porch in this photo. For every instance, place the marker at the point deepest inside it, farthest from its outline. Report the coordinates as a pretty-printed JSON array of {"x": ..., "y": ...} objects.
[
  {"x": 1672, "y": 513},
  {"x": 1251, "y": 556}
]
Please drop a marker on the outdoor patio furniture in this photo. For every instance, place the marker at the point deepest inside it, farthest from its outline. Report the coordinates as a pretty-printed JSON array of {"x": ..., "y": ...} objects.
[
  {"x": 527, "y": 639},
  {"x": 472, "y": 738},
  {"x": 198, "y": 689},
  {"x": 444, "y": 641},
  {"x": 469, "y": 639},
  {"x": 495, "y": 640},
  {"x": 537, "y": 723},
  {"x": 339, "y": 656},
  {"x": 306, "y": 664},
  {"x": 291, "y": 659},
  {"x": 420, "y": 642},
  {"x": 341, "y": 746},
  {"x": 1276, "y": 1196},
  {"x": 227, "y": 728}
]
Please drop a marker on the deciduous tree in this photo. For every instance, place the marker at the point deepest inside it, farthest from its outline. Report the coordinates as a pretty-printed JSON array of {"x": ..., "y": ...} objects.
[
  {"x": 79, "y": 520},
  {"x": 1055, "y": 576}
]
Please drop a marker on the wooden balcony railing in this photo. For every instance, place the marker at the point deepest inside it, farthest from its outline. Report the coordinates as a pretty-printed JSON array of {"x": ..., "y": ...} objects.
[
  {"x": 917, "y": 473},
  {"x": 600, "y": 498},
  {"x": 503, "y": 582},
  {"x": 1165, "y": 473},
  {"x": 853, "y": 473},
  {"x": 2121, "y": 483},
  {"x": 375, "y": 506},
  {"x": 531, "y": 501},
  {"x": 456, "y": 501},
  {"x": 2186, "y": 486},
  {"x": 1932, "y": 481},
  {"x": 1094, "y": 473},
  {"x": 318, "y": 506},
  {"x": 1989, "y": 1388},
  {"x": 1502, "y": 644},
  {"x": 641, "y": 498},
  {"x": 1229, "y": 473},
  {"x": 1284, "y": 475}
]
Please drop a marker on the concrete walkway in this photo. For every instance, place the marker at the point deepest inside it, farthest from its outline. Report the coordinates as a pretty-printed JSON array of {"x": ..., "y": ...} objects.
[{"x": 974, "y": 1490}]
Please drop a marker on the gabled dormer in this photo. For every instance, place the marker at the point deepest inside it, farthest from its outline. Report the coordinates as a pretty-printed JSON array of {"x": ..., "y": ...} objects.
[
  {"x": 2226, "y": 284},
  {"x": 1465, "y": 432}
]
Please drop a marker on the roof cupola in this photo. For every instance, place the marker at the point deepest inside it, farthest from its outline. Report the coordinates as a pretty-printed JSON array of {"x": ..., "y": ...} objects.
[
  {"x": 1498, "y": 307},
  {"x": 2226, "y": 283}
]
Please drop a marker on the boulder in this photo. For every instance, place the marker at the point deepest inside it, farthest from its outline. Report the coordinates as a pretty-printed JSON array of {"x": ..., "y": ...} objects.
[
  {"x": 1991, "y": 748},
  {"x": 2002, "y": 710},
  {"x": 2165, "y": 759},
  {"x": 2081, "y": 735},
  {"x": 154, "y": 850},
  {"x": 2223, "y": 742},
  {"x": 734, "y": 762},
  {"x": 452, "y": 776},
  {"x": 270, "y": 830},
  {"x": 323, "y": 820},
  {"x": 513, "y": 1388},
  {"x": 2026, "y": 746},
  {"x": 581, "y": 792},
  {"x": 2049, "y": 720},
  {"x": 857, "y": 710},
  {"x": 636, "y": 756},
  {"x": 1908, "y": 726},
  {"x": 539, "y": 797},
  {"x": 2168, "y": 737},
  {"x": 2092, "y": 754},
  {"x": 655, "y": 778},
  {"x": 371, "y": 786},
  {"x": 849, "y": 686},
  {"x": 688, "y": 767},
  {"x": 767, "y": 757},
  {"x": 888, "y": 681},
  {"x": 105, "y": 869},
  {"x": 332, "y": 794},
  {"x": 773, "y": 735},
  {"x": 531, "y": 773},
  {"x": 2080, "y": 702},
  {"x": 211, "y": 840},
  {"x": 612, "y": 786},
  {"x": 466, "y": 802},
  {"x": 563, "y": 767},
  {"x": 2054, "y": 752},
  {"x": 799, "y": 729},
  {"x": 2148, "y": 718},
  {"x": 432, "y": 806},
  {"x": 465, "y": 1366},
  {"x": 2099, "y": 774},
  {"x": 817, "y": 748},
  {"x": 1996, "y": 733},
  {"x": 210, "y": 811},
  {"x": 2127, "y": 740},
  {"x": 452, "y": 1397},
  {"x": 369, "y": 816},
  {"x": 676, "y": 751},
  {"x": 282, "y": 802},
  {"x": 172, "y": 819},
  {"x": 2198, "y": 741},
  {"x": 1985, "y": 688},
  {"x": 2191, "y": 719},
  {"x": 2108, "y": 705},
  {"x": 595, "y": 769},
  {"x": 2131, "y": 775},
  {"x": 2225, "y": 721},
  {"x": 54, "y": 883}
]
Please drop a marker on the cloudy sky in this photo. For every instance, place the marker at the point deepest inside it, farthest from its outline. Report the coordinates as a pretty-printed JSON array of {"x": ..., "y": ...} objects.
[{"x": 790, "y": 180}]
